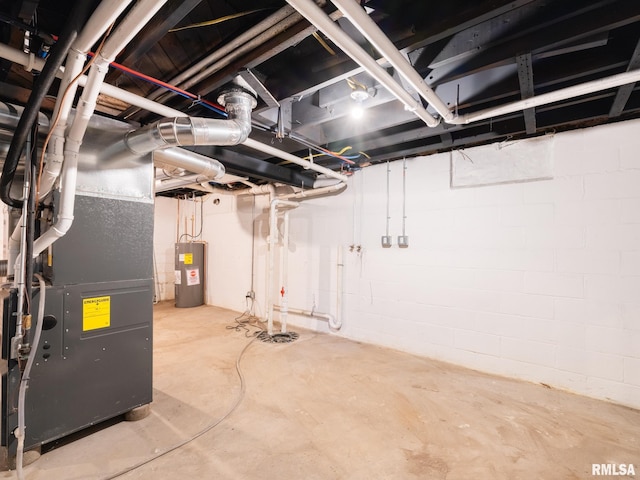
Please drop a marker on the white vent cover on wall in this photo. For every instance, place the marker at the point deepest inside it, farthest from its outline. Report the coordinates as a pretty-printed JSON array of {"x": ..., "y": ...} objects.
[{"x": 504, "y": 162}]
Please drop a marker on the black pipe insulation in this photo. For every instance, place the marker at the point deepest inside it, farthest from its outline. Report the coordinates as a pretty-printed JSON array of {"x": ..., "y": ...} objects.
[
  {"x": 77, "y": 18},
  {"x": 31, "y": 218}
]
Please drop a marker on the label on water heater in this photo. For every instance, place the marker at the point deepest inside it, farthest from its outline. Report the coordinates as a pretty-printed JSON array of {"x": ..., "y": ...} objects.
[
  {"x": 193, "y": 276},
  {"x": 178, "y": 277},
  {"x": 96, "y": 313},
  {"x": 188, "y": 258}
]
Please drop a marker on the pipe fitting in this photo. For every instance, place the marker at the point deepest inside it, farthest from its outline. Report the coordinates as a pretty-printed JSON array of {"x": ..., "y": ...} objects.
[
  {"x": 187, "y": 131},
  {"x": 239, "y": 104}
]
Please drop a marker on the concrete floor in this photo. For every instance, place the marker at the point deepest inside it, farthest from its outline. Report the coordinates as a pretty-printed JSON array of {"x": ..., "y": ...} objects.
[{"x": 328, "y": 408}]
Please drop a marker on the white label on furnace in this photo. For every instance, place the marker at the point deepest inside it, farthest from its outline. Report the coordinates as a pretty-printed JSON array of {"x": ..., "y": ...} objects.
[
  {"x": 193, "y": 276},
  {"x": 181, "y": 257},
  {"x": 178, "y": 277}
]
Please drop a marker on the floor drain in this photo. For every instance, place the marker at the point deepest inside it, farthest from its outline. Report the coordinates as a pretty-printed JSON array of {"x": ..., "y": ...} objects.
[{"x": 286, "y": 337}]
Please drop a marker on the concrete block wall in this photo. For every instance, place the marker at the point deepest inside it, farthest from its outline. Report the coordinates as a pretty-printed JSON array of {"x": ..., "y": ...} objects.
[
  {"x": 536, "y": 280},
  {"x": 164, "y": 238},
  {"x": 227, "y": 231}
]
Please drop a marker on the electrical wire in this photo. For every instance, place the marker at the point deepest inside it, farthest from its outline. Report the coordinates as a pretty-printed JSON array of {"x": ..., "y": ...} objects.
[
  {"x": 246, "y": 322},
  {"x": 201, "y": 224},
  {"x": 341, "y": 153},
  {"x": 324, "y": 44},
  {"x": 216, "y": 21},
  {"x": 320, "y": 149},
  {"x": 208, "y": 428},
  {"x": 219, "y": 109}
]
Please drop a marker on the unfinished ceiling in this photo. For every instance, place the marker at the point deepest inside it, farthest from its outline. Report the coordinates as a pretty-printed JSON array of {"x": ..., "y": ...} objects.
[{"x": 475, "y": 56}]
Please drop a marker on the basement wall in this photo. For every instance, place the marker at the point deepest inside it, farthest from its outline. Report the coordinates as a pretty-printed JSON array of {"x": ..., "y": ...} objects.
[
  {"x": 536, "y": 280},
  {"x": 164, "y": 238}
]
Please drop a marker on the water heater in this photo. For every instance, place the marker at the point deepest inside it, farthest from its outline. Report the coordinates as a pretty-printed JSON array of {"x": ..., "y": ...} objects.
[{"x": 189, "y": 267}]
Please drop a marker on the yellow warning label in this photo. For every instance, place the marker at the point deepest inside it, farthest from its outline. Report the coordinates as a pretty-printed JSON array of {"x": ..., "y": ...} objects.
[
  {"x": 96, "y": 313},
  {"x": 188, "y": 258}
]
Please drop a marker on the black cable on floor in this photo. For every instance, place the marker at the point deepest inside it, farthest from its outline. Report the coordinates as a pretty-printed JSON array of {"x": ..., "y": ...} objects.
[
  {"x": 247, "y": 323},
  {"x": 206, "y": 429}
]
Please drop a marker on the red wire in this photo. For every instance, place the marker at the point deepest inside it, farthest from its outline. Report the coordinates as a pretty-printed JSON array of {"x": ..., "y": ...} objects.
[{"x": 163, "y": 84}]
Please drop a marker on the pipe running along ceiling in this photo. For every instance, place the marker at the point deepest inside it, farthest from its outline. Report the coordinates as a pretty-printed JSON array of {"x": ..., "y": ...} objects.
[{"x": 425, "y": 77}]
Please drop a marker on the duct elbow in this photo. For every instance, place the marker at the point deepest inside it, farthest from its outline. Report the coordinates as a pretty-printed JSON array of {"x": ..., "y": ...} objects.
[
  {"x": 239, "y": 105},
  {"x": 191, "y": 131}
]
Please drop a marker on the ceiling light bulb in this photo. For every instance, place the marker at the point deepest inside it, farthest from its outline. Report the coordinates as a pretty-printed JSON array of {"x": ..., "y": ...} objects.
[
  {"x": 359, "y": 95},
  {"x": 357, "y": 111}
]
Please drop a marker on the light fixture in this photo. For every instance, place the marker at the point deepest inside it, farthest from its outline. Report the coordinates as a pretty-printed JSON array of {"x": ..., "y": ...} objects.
[{"x": 359, "y": 93}]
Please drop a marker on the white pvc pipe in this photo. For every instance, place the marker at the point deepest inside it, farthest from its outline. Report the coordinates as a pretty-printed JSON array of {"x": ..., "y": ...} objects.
[
  {"x": 104, "y": 15},
  {"x": 273, "y": 236},
  {"x": 556, "y": 96},
  {"x": 359, "y": 18},
  {"x": 268, "y": 149},
  {"x": 13, "y": 247},
  {"x": 21, "y": 58},
  {"x": 314, "y": 192},
  {"x": 55, "y": 150},
  {"x": 271, "y": 265},
  {"x": 284, "y": 298},
  {"x": 339, "y": 275},
  {"x": 128, "y": 28},
  {"x": 317, "y": 17},
  {"x": 333, "y": 323},
  {"x": 178, "y": 182}
]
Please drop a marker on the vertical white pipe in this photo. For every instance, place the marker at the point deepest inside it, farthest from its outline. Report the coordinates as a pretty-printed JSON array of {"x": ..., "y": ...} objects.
[
  {"x": 270, "y": 264},
  {"x": 273, "y": 235},
  {"x": 128, "y": 28},
  {"x": 339, "y": 275},
  {"x": 55, "y": 151},
  {"x": 284, "y": 300},
  {"x": 105, "y": 14}
]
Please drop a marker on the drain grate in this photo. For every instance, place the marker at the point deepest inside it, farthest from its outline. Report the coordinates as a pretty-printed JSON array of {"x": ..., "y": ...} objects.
[{"x": 286, "y": 337}]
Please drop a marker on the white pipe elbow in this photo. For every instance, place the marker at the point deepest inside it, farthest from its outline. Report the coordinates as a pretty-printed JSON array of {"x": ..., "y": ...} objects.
[{"x": 333, "y": 322}]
